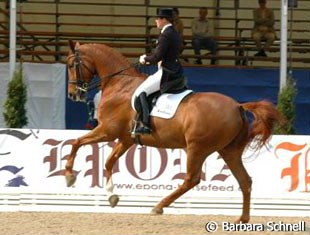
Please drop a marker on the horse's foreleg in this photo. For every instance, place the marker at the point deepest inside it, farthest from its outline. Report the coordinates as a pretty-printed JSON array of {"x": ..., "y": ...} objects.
[
  {"x": 234, "y": 162},
  {"x": 192, "y": 178},
  {"x": 93, "y": 136},
  {"x": 70, "y": 177},
  {"x": 119, "y": 149}
]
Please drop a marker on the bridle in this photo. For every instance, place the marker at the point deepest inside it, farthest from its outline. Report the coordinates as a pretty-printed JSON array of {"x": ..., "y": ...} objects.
[{"x": 80, "y": 83}]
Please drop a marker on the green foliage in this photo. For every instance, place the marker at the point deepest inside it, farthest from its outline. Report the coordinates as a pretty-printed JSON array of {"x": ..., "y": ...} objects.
[
  {"x": 14, "y": 107},
  {"x": 286, "y": 107}
]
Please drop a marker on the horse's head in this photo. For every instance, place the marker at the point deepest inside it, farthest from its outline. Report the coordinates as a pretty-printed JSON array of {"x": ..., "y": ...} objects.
[{"x": 81, "y": 69}]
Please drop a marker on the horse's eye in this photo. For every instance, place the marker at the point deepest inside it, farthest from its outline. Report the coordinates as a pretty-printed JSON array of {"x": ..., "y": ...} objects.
[{"x": 71, "y": 65}]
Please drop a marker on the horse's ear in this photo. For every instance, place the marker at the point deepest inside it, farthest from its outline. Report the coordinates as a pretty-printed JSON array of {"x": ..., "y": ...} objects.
[{"x": 71, "y": 45}]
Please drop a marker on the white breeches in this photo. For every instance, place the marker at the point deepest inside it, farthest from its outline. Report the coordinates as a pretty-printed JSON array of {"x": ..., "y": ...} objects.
[{"x": 149, "y": 86}]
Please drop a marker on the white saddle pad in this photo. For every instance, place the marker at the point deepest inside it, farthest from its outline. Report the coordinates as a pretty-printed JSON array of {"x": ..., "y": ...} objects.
[{"x": 167, "y": 104}]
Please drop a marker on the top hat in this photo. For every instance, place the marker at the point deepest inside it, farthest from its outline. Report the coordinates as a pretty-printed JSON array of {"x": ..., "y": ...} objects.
[
  {"x": 175, "y": 10},
  {"x": 165, "y": 12}
]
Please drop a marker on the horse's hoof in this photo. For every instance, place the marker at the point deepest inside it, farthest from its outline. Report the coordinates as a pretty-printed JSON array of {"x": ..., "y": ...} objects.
[
  {"x": 242, "y": 221},
  {"x": 113, "y": 200},
  {"x": 157, "y": 211},
  {"x": 70, "y": 179}
]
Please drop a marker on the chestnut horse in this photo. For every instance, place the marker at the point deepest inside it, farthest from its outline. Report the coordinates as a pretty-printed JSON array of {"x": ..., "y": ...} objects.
[{"x": 204, "y": 122}]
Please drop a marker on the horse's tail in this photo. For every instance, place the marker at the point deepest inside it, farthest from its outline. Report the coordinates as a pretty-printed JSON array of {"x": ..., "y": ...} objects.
[{"x": 266, "y": 116}]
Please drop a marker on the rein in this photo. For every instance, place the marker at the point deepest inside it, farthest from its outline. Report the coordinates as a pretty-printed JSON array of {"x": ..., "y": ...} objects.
[{"x": 96, "y": 84}]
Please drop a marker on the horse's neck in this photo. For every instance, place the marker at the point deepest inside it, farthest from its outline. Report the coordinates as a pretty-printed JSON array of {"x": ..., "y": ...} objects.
[{"x": 123, "y": 84}]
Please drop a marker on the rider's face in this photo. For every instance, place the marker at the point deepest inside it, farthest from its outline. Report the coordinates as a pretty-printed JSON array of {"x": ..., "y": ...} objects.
[{"x": 160, "y": 22}]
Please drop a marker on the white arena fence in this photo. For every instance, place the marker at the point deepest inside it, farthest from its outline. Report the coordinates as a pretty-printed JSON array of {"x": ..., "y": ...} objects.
[{"x": 32, "y": 165}]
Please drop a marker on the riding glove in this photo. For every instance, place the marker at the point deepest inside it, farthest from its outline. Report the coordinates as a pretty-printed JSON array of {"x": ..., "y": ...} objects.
[{"x": 142, "y": 59}]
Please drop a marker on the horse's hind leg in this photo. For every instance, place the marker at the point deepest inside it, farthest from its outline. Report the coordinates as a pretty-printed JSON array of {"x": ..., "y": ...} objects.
[
  {"x": 118, "y": 150},
  {"x": 195, "y": 160},
  {"x": 232, "y": 157},
  {"x": 93, "y": 136}
]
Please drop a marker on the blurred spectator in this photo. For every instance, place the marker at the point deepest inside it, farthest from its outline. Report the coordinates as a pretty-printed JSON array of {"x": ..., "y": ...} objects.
[
  {"x": 202, "y": 31},
  {"x": 177, "y": 22},
  {"x": 179, "y": 26},
  {"x": 263, "y": 27}
]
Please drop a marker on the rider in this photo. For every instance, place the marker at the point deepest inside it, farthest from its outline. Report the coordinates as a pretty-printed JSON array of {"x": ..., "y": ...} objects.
[{"x": 166, "y": 54}]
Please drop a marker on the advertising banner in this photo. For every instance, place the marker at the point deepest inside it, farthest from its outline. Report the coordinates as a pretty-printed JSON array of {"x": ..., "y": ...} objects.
[{"x": 34, "y": 160}]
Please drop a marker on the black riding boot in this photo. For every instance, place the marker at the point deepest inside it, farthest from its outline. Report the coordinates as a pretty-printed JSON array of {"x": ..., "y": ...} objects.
[{"x": 145, "y": 127}]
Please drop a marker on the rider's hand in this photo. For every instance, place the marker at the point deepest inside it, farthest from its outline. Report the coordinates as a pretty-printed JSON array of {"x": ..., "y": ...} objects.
[{"x": 142, "y": 59}]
